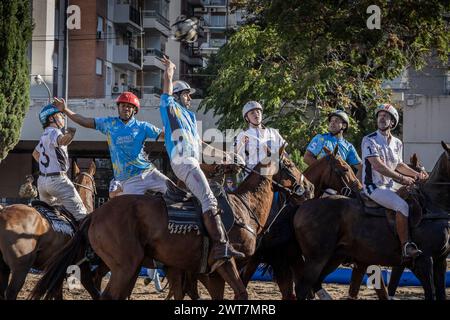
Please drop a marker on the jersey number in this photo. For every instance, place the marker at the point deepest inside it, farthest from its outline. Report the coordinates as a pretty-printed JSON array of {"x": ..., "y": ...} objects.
[{"x": 45, "y": 164}]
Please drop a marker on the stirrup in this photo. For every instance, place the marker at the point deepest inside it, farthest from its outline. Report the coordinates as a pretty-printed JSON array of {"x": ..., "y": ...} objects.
[{"x": 410, "y": 243}]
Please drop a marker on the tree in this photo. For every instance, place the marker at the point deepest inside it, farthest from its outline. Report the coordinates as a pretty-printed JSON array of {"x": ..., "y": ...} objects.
[
  {"x": 302, "y": 59},
  {"x": 15, "y": 32}
]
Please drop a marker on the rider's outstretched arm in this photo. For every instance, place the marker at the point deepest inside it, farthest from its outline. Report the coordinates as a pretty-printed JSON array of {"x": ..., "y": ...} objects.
[
  {"x": 168, "y": 76},
  {"x": 75, "y": 117}
]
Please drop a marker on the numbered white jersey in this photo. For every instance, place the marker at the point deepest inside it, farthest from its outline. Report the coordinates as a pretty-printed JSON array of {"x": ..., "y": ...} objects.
[
  {"x": 52, "y": 157},
  {"x": 390, "y": 153}
]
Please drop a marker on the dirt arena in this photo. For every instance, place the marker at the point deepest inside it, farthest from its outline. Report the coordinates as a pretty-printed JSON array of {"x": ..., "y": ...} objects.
[{"x": 258, "y": 290}]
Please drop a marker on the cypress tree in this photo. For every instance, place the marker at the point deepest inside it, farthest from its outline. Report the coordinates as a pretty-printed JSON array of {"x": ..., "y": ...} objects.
[{"x": 15, "y": 35}]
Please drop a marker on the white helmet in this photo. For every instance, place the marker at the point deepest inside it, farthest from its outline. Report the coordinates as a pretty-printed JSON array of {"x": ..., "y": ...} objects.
[
  {"x": 249, "y": 106},
  {"x": 180, "y": 85},
  {"x": 389, "y": 108}
]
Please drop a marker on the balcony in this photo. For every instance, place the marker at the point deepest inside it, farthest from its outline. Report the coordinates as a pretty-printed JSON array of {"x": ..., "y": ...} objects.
[
  {"x": 190, "y": 55},
  {"x": 154, "y": 20},
  {"x": 127, "y": 57},
  {"x": 152, "y": 58},
  {"x": 214, "y": 3},
  {"x": 125, "y": 14}
]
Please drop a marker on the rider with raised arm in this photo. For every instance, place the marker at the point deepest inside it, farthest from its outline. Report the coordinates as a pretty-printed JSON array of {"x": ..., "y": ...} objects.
[{"x": 183, "y": 146}]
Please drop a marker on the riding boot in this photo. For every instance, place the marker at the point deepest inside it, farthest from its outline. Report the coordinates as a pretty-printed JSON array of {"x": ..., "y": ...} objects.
[
  {"x": 221, "y": 249},
  {"x": 409, "y": 249}
]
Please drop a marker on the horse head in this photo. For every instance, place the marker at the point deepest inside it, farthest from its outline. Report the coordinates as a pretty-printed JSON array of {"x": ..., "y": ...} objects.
[
  {"x": 289, "y": 178},
  {"x": 85, "y": 184},
  {"x": 331, "y": 171}
]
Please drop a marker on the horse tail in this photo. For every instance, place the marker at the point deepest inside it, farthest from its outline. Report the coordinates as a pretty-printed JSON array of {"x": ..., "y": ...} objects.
[{"x": 50, "y": 284}]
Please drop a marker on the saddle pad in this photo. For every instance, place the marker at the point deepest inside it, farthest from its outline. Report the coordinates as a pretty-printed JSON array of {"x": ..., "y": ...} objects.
[
  {"x": 57, "y": 222},
  {"x": 186, "y": 216}
]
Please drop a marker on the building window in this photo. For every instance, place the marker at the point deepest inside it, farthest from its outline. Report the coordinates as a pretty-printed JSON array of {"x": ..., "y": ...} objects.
[
  {"x": 99, "y": 27},
  {"x": 99, "y": 67},
  {"x": 108, "y": 76}
]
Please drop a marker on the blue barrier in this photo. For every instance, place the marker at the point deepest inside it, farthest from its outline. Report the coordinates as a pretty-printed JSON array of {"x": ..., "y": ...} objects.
[{"x": 339, "y": 276}]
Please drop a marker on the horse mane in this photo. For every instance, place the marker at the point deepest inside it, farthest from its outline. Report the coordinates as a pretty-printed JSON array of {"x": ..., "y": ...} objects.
[
  {"x": 435, "y": 174},
  {"x": 437, "y": 194}
]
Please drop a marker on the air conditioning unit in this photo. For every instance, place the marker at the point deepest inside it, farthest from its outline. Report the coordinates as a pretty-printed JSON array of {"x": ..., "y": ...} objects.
[{"x": 115, "y": 89}]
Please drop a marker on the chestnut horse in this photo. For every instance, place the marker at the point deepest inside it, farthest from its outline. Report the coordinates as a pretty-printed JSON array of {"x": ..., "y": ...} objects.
[
  {"x": 130, "y": 231},
  {"x": 28, "y": 241},
  {"x": 335, "y": 229}
]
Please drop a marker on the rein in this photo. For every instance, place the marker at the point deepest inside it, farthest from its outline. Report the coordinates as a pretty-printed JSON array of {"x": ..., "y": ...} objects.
[{"x": 93, "y": 189}]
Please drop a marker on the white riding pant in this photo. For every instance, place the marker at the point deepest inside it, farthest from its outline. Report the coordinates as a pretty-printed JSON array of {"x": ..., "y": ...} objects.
[
  {"x": 389, "y": 199},
  {"x": 60, "y": 190},
  {"x": 188, "y": 170},
  {"x": 148, "y": 180}
]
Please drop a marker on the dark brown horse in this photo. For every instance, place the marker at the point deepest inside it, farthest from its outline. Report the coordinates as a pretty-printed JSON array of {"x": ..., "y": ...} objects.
[
  {"x": 439, "y": 262},
  {"x": 130, "y": 231},
  {"x": 335, "y": 229},
  {"x": 28, "y": 241},
  {"x": 278, "y": 248}
]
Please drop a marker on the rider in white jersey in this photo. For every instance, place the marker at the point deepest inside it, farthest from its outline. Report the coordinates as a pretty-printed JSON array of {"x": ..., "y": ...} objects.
[
  {"x": 383, "y": 163},
  {"x": 51, "y": 153}
]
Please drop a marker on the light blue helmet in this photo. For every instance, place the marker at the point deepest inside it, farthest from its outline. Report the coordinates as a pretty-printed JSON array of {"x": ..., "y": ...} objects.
[{"x": 46, "y": 112}]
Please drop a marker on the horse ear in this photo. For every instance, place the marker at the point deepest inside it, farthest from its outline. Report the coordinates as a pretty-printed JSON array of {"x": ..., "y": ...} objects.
[
  {"x": 335, "y": 151},
  {"x": 414, "y": 160},
  {"x": 327, "y": 151},
  {"x": 92, "y": 168},
  {"x": 445, "y": 146},
  {"x": 75, "y": 169}
]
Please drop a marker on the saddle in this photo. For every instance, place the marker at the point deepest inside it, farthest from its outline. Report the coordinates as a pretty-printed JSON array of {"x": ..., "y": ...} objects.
[
  {"x": 184, "y": 210},
  {"x": 59, "y": 218},
  {"x": 373, "y": 209},
  {"x": 185, "y": 215}
]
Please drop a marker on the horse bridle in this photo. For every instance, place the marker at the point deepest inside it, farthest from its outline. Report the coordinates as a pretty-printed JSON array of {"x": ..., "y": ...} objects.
[
  {"x": 93, "y": 189},
  {"x": 295, "y": 191},
  {"x": 348, "y": 189}
]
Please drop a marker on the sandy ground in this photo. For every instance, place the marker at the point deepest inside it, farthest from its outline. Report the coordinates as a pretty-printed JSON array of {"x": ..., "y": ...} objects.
[{"x": 258, "y": 290}]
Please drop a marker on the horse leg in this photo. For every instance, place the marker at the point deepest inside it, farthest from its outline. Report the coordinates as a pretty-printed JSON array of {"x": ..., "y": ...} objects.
[
  {"x": 394, "y": 280},
  {"x": 175, "y": 278},
  {"x": 125, "y": 266},
  {"x": 4, "y": 278},
  {"x": 87, "y": 280},
  {"x": 249, "y": 270},
  {"x": 311, "y": 274},
  {"x": 439, "y": 272},
  {"x": 215, "y": 286},
  {"x": 20, "y": 266},
  {"x": 423, "y": 270},
  {"x": 229, "y": 273},
  {"x": 285, "y": 281},
  {"x": 358, "y": 272},
  {"x": 18, "y": 276}
]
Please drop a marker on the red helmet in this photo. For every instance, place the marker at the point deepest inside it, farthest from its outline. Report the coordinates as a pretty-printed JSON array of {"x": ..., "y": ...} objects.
[{"x": 129, "y": 97}]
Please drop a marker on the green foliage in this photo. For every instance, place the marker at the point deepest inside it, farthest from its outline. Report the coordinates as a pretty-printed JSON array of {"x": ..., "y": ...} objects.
[
  {"x": 15, "y": 32},
  {"x": 302, "y": 59}
]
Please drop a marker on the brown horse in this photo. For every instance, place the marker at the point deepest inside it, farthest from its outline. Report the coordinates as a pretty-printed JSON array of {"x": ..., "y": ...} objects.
[
  {"x": 130, "y": 231},
  {"x": 28, "y": 241},
  {"x": 278, "y": 248},
  {"x": 328, "y": 172},
  {"x": 335, "y": 229}
]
